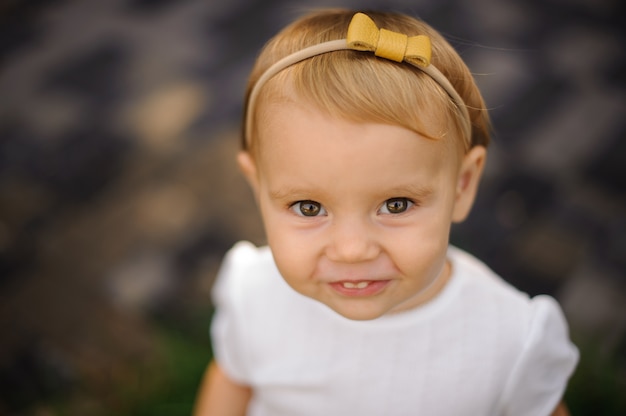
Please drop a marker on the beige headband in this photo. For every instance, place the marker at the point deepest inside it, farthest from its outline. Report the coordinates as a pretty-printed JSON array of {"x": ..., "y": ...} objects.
[{"x": 363, "y": 35}]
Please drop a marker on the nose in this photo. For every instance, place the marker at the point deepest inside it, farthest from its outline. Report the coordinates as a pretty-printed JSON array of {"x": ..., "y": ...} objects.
[{"x": 352, "y": 241}]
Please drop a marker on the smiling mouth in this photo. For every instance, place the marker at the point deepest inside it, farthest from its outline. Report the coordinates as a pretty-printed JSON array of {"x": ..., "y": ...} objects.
[
  {"x": 355, "y": 285},
  {"x": 359, "y": 288}
]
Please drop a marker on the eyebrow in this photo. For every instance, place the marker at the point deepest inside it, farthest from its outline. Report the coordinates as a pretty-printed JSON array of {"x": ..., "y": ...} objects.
[
  {"x": 407, "y": 190},
  {"x": 412, "y": 190},
  {"x": 289, "y": 192}
]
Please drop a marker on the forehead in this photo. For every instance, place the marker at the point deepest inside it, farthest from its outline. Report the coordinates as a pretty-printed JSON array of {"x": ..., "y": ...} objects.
[
  {"x": 303, "y": 143},
  {"x": 276, "y": 112}
]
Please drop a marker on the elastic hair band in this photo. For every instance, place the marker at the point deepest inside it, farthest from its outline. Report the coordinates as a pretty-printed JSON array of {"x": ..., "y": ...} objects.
[{"x": 363, "y": 35}]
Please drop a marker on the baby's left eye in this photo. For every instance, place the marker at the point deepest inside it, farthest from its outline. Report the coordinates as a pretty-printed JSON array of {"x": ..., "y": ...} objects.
[{"x": 395, "y": 206}]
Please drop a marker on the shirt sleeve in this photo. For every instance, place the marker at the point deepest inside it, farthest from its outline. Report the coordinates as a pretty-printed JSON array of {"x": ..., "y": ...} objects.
[
  {"x": 548, "y": 358},
  {"x": 227, "y": 332}
]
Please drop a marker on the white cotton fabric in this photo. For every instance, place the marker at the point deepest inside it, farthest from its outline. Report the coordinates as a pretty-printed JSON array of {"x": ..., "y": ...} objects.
[{"x": 481, "y": 347}]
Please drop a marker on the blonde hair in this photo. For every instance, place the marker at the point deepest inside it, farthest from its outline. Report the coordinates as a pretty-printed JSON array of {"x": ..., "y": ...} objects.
[{"x": 362, "y": 87}]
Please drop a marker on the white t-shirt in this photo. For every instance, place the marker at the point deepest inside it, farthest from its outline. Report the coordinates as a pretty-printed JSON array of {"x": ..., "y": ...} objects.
[{"x": 481, "y": 347}]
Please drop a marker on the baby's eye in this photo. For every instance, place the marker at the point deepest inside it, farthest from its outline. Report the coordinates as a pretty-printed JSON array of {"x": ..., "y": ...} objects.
[
  {"x": 308, "y": 208},
  {"x": 395, "y": 206}
]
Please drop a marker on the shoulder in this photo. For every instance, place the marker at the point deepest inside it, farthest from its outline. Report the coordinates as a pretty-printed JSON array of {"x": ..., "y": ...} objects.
[
  {"x": 245, "y": 268},
  {"x": 484, "y": 289},
  {"x": 533, "y": 331},
  {"x": 244, "y": 257},
  {"x": 476, "y": 274},
  {"x": 246, "y": 295},
  {"x": 249, "y": 284},
  {"x": 546, "y": 360}
]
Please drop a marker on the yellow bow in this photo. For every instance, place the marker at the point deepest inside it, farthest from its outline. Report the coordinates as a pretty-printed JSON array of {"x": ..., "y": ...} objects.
[{"x": 364, "y": 35}]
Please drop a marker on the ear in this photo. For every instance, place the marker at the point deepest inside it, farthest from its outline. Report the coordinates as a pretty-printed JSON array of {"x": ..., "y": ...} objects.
[
  {"x": 247, "y": 166},
  {"x": 467, "y": 182}
]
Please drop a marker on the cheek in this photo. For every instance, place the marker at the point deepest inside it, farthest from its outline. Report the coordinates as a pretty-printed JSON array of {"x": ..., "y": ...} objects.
[
  {"x": 421, "y": 248},
  {"x": 293, "y": 252},
  {"x": 421, "y": 253},
  {"x": 296, "y": 267}
]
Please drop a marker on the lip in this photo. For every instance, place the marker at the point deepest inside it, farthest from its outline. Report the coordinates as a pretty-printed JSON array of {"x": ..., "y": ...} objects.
[{"x": 374, "y": 288}]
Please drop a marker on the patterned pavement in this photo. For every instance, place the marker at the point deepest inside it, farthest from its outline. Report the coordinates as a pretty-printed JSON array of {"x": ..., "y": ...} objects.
[{"x": 118, "y": 195}]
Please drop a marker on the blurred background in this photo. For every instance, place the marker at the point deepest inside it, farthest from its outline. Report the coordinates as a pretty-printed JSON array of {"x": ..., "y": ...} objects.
[{"x": 119, "y": 122}]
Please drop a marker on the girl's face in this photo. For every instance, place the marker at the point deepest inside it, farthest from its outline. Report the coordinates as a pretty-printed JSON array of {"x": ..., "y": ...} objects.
[{"x": 357, "y": 215}]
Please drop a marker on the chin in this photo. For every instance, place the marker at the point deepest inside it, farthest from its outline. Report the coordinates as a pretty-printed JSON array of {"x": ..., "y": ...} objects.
[{"x": 363, "y": 313}]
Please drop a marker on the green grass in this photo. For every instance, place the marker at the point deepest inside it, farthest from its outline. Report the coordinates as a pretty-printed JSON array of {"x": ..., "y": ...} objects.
[
  {"x": 174, "y": 387},
  {"x": 598, "y": 386},
  {"x": 167, "y": 386}
]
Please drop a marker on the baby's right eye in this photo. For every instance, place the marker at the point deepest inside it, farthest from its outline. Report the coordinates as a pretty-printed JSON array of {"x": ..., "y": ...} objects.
[{"x": 308, "y": 208}]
